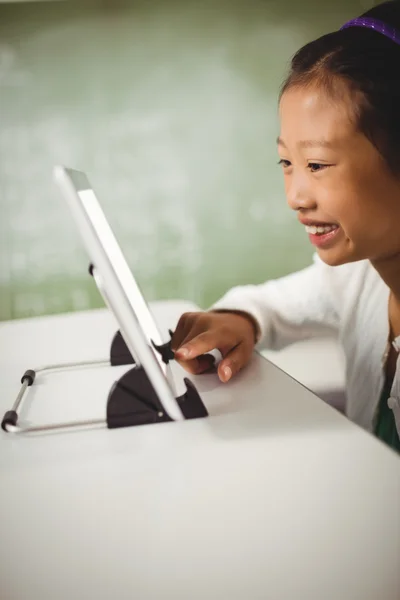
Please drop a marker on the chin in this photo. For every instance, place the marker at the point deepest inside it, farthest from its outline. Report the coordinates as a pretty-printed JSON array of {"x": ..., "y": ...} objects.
[{"x": 335, "y": 259}]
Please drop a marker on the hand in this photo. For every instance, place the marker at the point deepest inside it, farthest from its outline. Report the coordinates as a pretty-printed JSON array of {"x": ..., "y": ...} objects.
[{"x": 232, "y": 333}]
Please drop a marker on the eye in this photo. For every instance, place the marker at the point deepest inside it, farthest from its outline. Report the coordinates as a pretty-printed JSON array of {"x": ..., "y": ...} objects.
[
  {"x": 315, "y": 167},
  {"x": 285, "y": 163}
]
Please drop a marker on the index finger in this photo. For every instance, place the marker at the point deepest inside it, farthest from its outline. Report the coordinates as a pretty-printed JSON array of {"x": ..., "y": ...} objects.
[{"x": 201, "y": 344}]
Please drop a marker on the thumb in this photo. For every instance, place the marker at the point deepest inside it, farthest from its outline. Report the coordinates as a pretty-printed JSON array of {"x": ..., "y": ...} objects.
[{"x": 233, "y": 361}]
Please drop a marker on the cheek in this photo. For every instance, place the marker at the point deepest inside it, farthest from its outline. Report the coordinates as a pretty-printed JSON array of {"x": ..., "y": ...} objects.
[
  {"x": 354, "y": 203},
  {"x": 369, "y": 224},
  {"x": 356, "y": 215}
]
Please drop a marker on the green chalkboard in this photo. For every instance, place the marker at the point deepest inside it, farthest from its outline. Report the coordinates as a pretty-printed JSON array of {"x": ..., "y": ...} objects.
[{"x": 171, "y": 109}]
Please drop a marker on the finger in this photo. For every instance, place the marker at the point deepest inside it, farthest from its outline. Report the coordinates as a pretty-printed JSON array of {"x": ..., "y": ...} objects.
[
  {"x": 203, "y": 343},
  {"x": 194, "y": 331},
  {"x": 181, "y": 332},
  {"x": 233, "y": 361},
  {"x": 201, "y": 364}
]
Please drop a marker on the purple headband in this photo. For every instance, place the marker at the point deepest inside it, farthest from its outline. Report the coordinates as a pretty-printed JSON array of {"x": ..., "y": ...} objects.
[{"x": 377, "y": 25}]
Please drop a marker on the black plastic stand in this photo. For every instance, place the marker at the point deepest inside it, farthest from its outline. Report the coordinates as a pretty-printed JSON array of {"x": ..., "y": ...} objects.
[
  {"x": 119, "y": 353},
  {"x": 132, "y": 399}
]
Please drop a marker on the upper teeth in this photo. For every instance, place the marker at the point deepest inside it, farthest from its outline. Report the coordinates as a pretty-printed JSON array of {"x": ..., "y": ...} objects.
[{"x": 320, "y": 229}]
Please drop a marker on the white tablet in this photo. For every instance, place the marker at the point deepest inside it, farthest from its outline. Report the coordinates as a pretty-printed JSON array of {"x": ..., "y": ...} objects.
[{"x": 117, "y": 284}]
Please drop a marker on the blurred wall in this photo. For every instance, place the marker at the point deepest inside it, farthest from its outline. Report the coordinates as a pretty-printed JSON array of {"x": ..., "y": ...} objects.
[{"x": 171, "y": 108}]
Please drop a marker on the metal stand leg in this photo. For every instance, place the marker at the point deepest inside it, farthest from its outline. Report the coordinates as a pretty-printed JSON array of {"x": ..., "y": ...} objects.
[{"x": 10, "y": 419}]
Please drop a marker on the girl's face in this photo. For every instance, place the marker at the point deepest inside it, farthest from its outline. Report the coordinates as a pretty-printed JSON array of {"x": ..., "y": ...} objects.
[{"x": 336, "y": 180}]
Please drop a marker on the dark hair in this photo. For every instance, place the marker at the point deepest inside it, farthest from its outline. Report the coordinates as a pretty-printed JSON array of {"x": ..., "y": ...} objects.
[{"x": 369, "y": 64}]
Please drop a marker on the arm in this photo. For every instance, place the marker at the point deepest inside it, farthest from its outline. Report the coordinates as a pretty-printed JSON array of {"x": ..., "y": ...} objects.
[
  {"x": 292, "y": 308},
  {"x": 273, "y": 315}
]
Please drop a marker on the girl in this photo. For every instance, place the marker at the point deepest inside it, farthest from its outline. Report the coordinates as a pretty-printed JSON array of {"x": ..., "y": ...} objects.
[{"x": 339, "y": 147}]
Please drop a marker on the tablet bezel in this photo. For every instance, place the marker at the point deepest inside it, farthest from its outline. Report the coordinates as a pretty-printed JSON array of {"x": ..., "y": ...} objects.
[{"x": 117, "y": 284}]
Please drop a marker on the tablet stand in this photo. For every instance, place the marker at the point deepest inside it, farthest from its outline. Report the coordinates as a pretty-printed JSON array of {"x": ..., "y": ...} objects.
[{"x": 131, "y": 400}]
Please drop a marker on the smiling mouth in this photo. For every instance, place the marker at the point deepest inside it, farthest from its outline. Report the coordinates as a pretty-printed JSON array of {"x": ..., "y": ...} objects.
[
  {"x": 320, "y": 229},
  {"x": 322, "y": 235}
]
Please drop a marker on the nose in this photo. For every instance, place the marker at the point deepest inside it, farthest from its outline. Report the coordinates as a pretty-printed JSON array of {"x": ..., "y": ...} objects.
[{"x": 298, "y": 192}]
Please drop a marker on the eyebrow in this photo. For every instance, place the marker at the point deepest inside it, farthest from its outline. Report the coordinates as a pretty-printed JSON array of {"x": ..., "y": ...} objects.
[{"x": 308, "y": 143}]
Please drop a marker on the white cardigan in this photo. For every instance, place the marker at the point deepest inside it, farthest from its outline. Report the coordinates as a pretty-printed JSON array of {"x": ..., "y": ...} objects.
[{"x": 351, "y": 300}]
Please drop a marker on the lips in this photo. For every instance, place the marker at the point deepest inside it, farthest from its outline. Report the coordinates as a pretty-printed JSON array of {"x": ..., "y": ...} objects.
[
  {"x": 323, "y": 239},
  {"x": 320, "y": 233}
]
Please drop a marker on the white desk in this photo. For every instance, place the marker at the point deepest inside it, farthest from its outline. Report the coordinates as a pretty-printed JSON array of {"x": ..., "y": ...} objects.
[{"x": 274, "y": 496}]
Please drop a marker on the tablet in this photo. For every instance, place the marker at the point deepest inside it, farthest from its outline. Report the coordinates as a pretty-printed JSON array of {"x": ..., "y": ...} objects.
[{"x": 117, "y": 285}]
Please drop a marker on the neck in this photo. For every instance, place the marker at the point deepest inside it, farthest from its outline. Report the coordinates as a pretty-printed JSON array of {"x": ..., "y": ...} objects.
[{"x": 389, "y": 271}]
